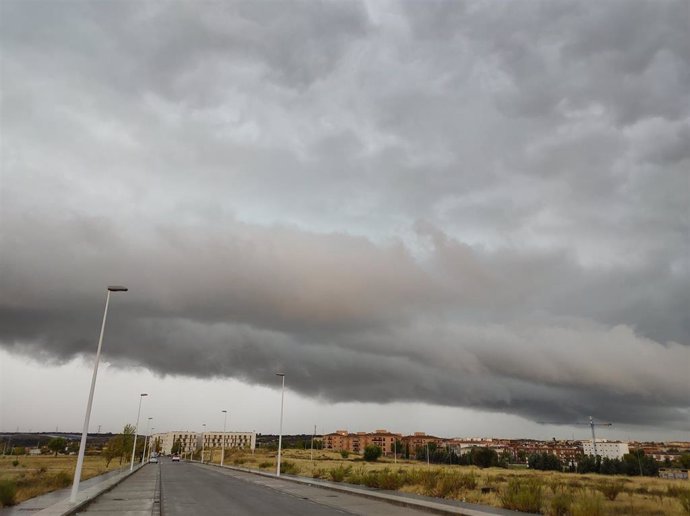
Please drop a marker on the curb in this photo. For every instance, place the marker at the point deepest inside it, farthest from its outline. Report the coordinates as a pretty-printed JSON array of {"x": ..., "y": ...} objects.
[
  {"x": 85, "y": 497},
  {"x": 423, "y": 505}
]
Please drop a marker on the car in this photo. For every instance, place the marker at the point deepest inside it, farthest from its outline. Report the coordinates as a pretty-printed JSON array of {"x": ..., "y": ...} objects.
[
  {"x": 154, "y": 460},
  {"x": 176, "y": 458}
]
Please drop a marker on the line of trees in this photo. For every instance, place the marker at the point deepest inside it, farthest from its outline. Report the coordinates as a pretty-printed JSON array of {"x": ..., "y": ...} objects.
[
  {"x": 120, "y": 446},
  {"x": 632, "y": 464}
]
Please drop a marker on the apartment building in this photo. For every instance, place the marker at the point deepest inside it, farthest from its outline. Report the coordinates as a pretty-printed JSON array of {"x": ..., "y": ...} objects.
[
  {"x": 244, "y": 440},
  {"x": 610, "y": 449},
  {"x": 356, "y": 442},
  {"x": 192, "y": 441},
  {"x": 189, "y": 441}
]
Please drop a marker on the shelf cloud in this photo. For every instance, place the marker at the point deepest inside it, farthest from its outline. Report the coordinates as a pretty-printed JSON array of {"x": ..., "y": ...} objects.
[{"x": 452, "y": 203}]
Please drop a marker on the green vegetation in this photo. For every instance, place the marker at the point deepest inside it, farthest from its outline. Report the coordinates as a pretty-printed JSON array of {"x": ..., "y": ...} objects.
[
  {"x": 372, "y": 453},
  {"x": 289, "y": 468},
  {"x": 523, "y": 495},
  {"x": 8, "y": 493},
  {"x": 57, "y": 444}
]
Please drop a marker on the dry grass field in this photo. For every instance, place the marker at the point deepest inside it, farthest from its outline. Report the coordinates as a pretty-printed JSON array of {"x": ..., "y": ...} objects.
[
  {"x": 33, "y": 476},
  {"x": 552, "y": 492}
]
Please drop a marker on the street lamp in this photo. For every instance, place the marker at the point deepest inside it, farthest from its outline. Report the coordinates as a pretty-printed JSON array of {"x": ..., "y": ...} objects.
[
  {"x": 280, "y": 434},
  {"x": 85, "y": 430},
  {"x": 150, "y": 441},
  {"x": 136, "y": 429},
  {"x": 203, "y": 442},
  {"x": 146, "y": 440},
  {"x": 222, "y": 453}
]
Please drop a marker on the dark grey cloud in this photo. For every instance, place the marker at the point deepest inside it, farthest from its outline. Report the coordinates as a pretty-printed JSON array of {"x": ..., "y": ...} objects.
[{"x": 454, "y": 203}]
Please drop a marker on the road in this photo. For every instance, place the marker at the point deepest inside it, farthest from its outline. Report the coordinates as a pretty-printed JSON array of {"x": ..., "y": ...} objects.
[{"x": 191, "y": 489}]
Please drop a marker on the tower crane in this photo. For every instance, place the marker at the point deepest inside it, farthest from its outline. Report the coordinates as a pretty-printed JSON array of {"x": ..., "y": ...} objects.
[{"x": 591, "y": 424}]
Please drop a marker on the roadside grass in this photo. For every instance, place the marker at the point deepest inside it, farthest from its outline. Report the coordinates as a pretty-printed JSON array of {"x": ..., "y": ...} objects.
[
  {"x": 550, "y": 493},
  {"x": 34, "y": 476}
]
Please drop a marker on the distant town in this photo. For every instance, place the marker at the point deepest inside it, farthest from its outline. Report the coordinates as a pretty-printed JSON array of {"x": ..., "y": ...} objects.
[{"x": 650, "y": 458}]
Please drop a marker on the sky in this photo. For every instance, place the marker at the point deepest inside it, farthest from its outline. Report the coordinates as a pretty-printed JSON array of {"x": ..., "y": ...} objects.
[{"x": 458, "y": 217}]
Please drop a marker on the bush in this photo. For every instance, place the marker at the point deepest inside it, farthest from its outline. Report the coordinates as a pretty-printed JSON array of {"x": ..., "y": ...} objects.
[
  {"x": 62, "y": 479},
  {"x": 384, "y": 479},
  {"x": 8, "y": 493},
  {"x": 611, "y": 489},
  {"x": 344, "y": 454},
  {"x": 523, "y": 495},
  {"x": 318, "y": 473},
  {"x": 15, "y": 463},
  {"x": 560, "y": 504},
  {"x": 338, "y": 474},
  {"x": 289, "y": 468},
  {"x": 589, "y": 506},
  {"x": 684, "y": 499},
  {"x": 372, "y": 453},
  {"x": 265, "y": 465}
]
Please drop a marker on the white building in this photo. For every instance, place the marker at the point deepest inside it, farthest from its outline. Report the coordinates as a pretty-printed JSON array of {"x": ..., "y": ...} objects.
[
  {"x": 193, "y": 441},
  {"x": 609, "y": 449},
  {"x": 232, "y": 440}
]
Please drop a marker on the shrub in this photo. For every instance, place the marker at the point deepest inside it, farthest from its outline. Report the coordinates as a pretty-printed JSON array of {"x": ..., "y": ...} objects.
[
  {"x": 265, "y": 465},
  {"x": 338, "y": 474},
  {"x": 384, "y": 479},
  {"x": 560, "y": 504},
  {"x": 15, "y": 463},
  {"x": 589, "y": 506},
  {"x": 318, "y": 473},
  {"x": 611, "y": 489},
  {"x": 289, "y": 468},
  {"x": 8, "y": 493},
  {"x": 684, "y": 499},
  {"x": 344, "y": 454},
  {"x": 447, "y": 485},
  {"x": 523, "y": 495},
  {"x": 674, "y": 490},
  {"x": 62, "y": 479},
  {"x": 372, "y": 453}
]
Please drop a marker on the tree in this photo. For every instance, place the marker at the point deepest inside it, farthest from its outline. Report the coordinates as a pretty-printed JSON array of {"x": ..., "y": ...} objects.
[
  {"x": 372, "y": 453},
  {"x": 484, "y": 457},
  {"x": 57, "y": 444},
  {"x": 176, "y": 447}
]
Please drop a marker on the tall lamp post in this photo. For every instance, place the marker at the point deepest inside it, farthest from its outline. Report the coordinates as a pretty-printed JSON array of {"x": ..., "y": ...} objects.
[
  {"x": 136, "y": 429},
  {"x": 146, "y": 440},
  {"x": 85, "y": 430},
  {"x": 222, "y": 452},
  {"x": 150, "y": 440},
  {"x": 203, "y": 441},
  {"x": 280, "y": 434}
]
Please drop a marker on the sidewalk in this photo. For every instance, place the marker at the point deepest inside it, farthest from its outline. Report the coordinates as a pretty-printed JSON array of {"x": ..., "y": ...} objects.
[{"x": 138, "y": 495}]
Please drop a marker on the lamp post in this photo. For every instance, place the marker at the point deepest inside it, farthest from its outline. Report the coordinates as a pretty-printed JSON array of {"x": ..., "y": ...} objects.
[
  {"x": 203, "y": 441},
  {"x": 136, "y": 429},
  {"x": 150, "y": 440},
  {"x": 280, "y": 434},
  {"x": 146, "y": 440},
  {"x": 85, "y": 430},
  {"x": 312, "y": 444},
  {"x": 222, "y": 453}
]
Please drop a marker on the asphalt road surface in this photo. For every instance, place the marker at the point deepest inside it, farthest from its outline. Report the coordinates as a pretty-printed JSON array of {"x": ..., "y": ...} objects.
[{"x": 191, "y": 489}]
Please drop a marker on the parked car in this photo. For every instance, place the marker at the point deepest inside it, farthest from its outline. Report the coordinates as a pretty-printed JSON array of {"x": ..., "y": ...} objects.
[
  {"x": 176, "y": 458},
  {"x": 154, "y": 460}
]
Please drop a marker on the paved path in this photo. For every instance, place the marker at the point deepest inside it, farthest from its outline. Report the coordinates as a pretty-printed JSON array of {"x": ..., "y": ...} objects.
[{"x": 135, "y": 496}]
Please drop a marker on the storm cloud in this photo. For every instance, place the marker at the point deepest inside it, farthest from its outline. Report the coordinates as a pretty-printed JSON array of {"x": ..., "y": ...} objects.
[{"x": 471, "y": 204}]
